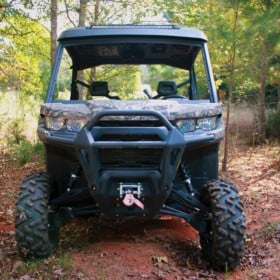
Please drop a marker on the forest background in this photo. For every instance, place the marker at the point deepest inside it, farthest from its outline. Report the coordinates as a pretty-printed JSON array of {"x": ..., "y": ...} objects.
[{"x": 244, "y": 43}]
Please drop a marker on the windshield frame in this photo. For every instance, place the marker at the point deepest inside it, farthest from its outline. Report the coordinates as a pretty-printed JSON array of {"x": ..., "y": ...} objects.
[{"x": 66, "y": 44}]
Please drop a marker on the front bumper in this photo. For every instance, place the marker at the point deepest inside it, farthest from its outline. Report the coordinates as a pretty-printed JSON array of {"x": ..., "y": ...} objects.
[{"x": 115, "y": 155}]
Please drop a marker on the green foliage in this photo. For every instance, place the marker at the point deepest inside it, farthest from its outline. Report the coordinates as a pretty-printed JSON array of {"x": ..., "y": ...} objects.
[
  {"x": 244, "y": 43},
  {"x": 121, "y": 12},
  {"x": 124, "y": 78},
  {"x": 24, "y": 49},
  {"x": 24, "y": 151},
  {"x": 18, "y": 119},
  {"x": 55, "y": 267},
  {"x": 273, "y": 123},
  {"x": 20, "y": 149},
  {"x": 258, "y": 22},
  {"x": 159, "y": 72}
]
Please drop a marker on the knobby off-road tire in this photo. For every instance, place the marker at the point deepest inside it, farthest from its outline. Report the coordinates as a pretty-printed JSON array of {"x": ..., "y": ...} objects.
[
  {"x": 35, "y": 236},
  {"x": 223, "y": 242}
]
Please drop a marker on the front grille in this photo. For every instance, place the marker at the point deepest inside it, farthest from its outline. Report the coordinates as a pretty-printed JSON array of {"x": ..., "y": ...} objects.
[
  {"x": 129, "y": 137},
  {"x": 137, "y": 121},
  {"x": 130, "y": 157}
]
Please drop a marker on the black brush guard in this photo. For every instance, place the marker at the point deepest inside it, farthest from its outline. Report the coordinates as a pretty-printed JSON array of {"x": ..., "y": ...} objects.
[{"x": 149, "y": 157}]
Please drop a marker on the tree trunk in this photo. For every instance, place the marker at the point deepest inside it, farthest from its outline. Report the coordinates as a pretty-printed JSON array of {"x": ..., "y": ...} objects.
[
  {"x": 278, "y": 97},
  {"x": 82, "y": 13},
  {"x": 53, "y": 30},
  {"x": 231, "y": 81},
  {"x": 96, "y": 11},
  {"x": 260, "y": 135},
  {"x": 82, "y": 23},
  {"x": 95, "y": 21}
]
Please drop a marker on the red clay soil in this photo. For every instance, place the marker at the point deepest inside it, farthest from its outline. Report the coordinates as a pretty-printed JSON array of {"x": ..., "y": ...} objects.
[
  {"x": 167, "y": 248},
  {"x": 151, "y": 250}
]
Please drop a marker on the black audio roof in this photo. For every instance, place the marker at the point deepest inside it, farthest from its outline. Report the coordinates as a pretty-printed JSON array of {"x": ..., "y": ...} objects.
[
  {"x": 137, "y": 30},
  {"x": 132, "y": 44}
]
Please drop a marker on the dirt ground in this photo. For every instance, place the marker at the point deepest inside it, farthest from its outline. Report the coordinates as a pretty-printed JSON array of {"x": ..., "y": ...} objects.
[{"x": 167, "y": 248}]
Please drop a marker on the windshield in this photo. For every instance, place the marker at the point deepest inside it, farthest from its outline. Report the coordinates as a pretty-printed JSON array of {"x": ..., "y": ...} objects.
[{"x": 130, "y": 81}]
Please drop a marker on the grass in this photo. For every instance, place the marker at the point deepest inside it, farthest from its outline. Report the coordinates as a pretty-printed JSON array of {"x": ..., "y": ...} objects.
[
  {"x": 27, "y": 152},
  {"x": 270, "y": 229},
  {"x": 55, "y": 267},
  {"x": 18, "y": 119},
  {"x": 18, "y": 123},
  {"x": 24, "y": 151},
  {"x": 273, "y": 123}
]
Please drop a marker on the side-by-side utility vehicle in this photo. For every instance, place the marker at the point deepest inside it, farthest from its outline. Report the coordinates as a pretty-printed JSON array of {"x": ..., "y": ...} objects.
[{"x": 131, "y": 126}]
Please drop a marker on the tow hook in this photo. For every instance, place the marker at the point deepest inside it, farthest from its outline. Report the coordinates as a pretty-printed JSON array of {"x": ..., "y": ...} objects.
[
  {"x": 130, "y": 199},
  {"x": 128, "y": 193}
]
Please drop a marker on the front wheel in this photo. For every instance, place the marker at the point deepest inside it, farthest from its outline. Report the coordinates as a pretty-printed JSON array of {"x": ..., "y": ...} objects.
[
  {"x": 36, "y": 235},
  {"x": 223, "y": 240}
]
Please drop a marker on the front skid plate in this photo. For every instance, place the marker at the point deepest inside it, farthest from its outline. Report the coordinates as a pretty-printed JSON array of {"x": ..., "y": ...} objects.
[{"x": 144, "y": 185}]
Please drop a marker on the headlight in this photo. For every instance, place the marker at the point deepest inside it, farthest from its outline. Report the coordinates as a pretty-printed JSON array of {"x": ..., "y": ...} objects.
[
  {"x": 190, "y": 125},
  {"x": 75, "y": 125},
  {"x": 207, "y": 123},
  {"x": 186, "y": 125},
  {"x": 54, "y": 123}
]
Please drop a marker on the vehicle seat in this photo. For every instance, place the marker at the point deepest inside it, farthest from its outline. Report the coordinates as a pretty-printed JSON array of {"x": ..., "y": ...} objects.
[
  {"x": 99, "y": 88},
  {"x": 166, "y": 88}
]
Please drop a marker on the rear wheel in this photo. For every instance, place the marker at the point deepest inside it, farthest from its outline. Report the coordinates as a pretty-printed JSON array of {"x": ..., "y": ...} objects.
[
  {"x": 223, "y": 240},
  {"x": 36, "y": 235}
]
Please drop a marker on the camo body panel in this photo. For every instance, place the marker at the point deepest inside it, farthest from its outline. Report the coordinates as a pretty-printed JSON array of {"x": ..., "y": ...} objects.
[{"x": 171, "y": 109}]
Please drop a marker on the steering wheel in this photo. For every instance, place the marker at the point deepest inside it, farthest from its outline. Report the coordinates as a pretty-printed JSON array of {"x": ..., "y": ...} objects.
[
  {"x": 147, "y": 93},
  {"x": 173, "y": 96}
]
